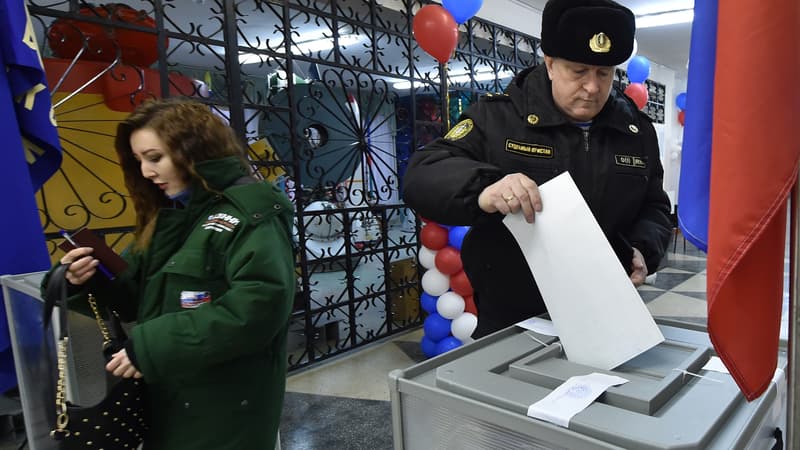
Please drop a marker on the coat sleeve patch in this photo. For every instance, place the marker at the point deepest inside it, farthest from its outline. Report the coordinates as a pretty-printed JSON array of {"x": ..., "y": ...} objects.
[{"x": 460, "y": 130}]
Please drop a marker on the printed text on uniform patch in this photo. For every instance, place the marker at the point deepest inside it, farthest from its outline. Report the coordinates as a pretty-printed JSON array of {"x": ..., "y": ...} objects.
[
  {"x": 630, "y": 161},
  {"x": 220, "y": 222},
  {"x": 525, "y": 149}
]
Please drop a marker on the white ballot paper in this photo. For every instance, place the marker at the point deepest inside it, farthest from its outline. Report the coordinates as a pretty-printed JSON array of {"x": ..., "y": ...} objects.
[
  {"x": 601, "y": 320},
  {"x": 715, "y": 364},
  {"x": 572, "y": 397},
  {"x": 539, "y": 325}
]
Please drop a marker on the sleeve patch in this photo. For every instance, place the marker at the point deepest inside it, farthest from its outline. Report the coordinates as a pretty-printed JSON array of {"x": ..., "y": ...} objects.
[{"x": 461, "y": 129}]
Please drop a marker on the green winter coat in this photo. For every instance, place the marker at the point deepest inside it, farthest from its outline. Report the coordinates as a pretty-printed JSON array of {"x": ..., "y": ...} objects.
[{"x": 215, "y": 373}]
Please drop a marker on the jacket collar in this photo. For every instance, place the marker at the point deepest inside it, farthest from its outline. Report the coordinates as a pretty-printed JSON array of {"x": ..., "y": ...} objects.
[
  {"x": 220, "y": 173},
  {"x": 531, "y": 93}
]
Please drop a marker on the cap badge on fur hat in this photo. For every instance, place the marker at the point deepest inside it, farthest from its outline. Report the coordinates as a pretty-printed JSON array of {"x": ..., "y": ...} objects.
[{"x": 600, "y": 43}]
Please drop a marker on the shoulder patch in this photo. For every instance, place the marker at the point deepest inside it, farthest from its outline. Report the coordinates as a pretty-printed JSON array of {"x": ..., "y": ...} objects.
[
  {"x": 461, "y": 129},
  {"x": 221, "y": 222}
]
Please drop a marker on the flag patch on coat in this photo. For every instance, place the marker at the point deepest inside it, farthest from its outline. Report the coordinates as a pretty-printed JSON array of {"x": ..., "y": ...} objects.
[
  {"x": 193, "y": 299},
  {"x": 221, "y": 222}
]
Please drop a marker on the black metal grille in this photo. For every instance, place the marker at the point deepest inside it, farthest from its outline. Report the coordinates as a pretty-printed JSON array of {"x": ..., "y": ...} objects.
[
  {"x": 332, "y": 98},
  {"x": 656, "y": 93}
]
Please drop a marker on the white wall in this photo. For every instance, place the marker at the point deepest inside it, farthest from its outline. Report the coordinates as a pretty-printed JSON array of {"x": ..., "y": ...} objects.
[{"x": 671, "y": 132}]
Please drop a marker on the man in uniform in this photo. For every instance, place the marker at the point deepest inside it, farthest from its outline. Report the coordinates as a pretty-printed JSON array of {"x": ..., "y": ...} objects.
[{"x": 559, "y": 116}]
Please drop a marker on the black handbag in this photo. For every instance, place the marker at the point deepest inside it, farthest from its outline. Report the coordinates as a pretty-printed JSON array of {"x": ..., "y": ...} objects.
[{"x": 119, "y": 421}]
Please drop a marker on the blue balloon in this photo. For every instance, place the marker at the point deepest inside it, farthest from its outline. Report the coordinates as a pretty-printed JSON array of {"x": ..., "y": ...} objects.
[
  {"x": 428, "y": 302},
  {"x": 680, "y": 100},
  {"x": 428, "y": 346},
  {"x": 447, "y": 344},
  {"x": 436, "y": 327},
  {"x": 462, "y": 10},
  {"x": 638, "y": 69},
  {"x": 456, "y": 237}
]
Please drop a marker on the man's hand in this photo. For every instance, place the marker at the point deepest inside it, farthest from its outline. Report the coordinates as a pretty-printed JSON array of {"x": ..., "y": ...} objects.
[
  {"x": 639, "y": 268},
  {"x": 512, "y": 193},
  {"x": 121, "y": 366}
]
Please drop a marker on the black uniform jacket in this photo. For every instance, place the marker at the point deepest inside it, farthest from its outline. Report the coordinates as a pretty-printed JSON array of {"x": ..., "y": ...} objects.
[{"x": 615, "y": 164}]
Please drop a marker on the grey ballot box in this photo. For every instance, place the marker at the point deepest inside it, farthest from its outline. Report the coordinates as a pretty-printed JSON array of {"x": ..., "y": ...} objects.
[{"x": 477, "y": 397}]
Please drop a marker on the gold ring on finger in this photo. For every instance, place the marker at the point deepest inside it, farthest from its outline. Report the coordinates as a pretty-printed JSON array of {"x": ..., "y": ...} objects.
[{"x": 508, "y": 197}]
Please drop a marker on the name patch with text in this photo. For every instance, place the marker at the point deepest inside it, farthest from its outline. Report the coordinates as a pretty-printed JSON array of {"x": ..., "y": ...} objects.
[
  {"x": 630, "y": 161},
  {"x": 525, "y": 149}
]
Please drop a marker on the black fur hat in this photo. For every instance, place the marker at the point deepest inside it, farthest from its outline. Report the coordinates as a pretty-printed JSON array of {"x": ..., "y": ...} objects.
[{"x": 596, "y": 32}]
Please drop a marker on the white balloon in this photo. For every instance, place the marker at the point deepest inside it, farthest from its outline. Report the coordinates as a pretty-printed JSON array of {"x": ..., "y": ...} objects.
[
  {"x": 435, "y": 283},
  {"x": 450, "y": 305},
  {"x": 463, "y": 326},
  {"x": 427, "y": 257},
  {"x": 633, "y": 53}
]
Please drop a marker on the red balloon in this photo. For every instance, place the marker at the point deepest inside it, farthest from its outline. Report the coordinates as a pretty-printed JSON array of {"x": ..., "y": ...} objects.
[
  {"x": 460, "y": 284},
  {"x": 469, "y": 305},
  {"x": 433, "y": 236},
  {"x": 448, "y": 261},
  {"x": 682, "y": 118},
  {"x": 638, "y": 93},
  {"x": 436, "y": 32}
]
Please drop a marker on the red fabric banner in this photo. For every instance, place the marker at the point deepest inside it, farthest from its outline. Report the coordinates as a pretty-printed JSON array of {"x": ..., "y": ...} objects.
[{"x": 754, "y": 165}]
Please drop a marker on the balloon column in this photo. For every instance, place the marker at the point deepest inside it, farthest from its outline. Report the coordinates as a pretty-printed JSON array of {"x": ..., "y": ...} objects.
[
  {"x": 680, "y": 101},
  {"x": 447, "y": 293},
  {"x": 638, "y": 71},
  {"x": 436, "y": 27}
]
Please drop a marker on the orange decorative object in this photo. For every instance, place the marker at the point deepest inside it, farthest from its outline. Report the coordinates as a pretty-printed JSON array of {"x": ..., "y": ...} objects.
[
  {"x": 66, "y": 36},
  {"x": 122, "y": 88}
]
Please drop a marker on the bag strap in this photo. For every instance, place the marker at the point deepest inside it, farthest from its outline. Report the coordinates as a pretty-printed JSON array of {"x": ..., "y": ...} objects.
[{"x": 56, "y": 295}]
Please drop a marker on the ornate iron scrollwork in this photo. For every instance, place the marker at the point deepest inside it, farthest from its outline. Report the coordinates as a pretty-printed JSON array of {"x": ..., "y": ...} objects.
[{"x": 332, "y": 96}]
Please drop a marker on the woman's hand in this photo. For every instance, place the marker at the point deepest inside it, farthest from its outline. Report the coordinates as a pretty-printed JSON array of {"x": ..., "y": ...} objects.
[
  {"x": 81, "y": 265},
  {"x": 121, "y": 366},
  {"x": 512, "y": 193}
]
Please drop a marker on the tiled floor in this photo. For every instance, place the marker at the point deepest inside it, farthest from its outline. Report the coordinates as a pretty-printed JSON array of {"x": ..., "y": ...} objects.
[{"x": 344, "y": 404}]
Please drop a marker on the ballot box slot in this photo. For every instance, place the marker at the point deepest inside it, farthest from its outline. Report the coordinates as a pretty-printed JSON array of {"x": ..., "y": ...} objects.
[{"x": 654, "y": 376}]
